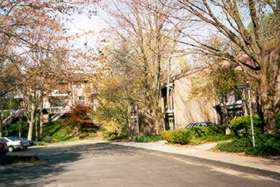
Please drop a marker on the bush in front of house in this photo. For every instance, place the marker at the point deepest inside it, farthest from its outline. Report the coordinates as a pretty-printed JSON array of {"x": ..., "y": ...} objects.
[
  {"x": 241, "y": 126},
  {"x": 110, "y": 132},
  {"x": 212, "y": 130},
  {"x": 113, "y": 131},
  {"x": 195, "y": 135},
  {"x": 181, "y": 136},
  {"x": 167, "y": 135},
  {"x": 266, "y": 144},
  {"x": 178, "y": 136}
]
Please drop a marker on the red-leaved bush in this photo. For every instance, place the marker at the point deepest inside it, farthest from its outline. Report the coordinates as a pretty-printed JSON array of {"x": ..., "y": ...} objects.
[{"x": 79, "y": 117}]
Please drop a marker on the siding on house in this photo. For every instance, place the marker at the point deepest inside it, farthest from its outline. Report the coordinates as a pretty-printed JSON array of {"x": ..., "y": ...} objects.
[
  {"x": 77, "y": 90},
  {"x": 189, "y": 108}
]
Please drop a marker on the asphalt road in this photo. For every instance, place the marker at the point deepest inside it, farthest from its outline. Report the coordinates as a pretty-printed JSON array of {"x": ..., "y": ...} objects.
[{"x": 104, "y": 164}]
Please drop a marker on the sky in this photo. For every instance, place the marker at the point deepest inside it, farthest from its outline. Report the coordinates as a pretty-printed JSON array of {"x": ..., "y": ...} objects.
[
  {"x": 89, "y": 29},
  {"x": 92, "y": 30}
]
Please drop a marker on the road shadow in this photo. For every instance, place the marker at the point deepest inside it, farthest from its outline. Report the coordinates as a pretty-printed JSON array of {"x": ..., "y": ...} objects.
[{"x": 54, "y": 161}]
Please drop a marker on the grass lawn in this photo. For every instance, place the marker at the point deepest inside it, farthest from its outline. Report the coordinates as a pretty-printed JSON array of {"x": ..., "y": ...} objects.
[
  {"x": 58, "y": 132},
  {"x": 208, "y": 139},
  {"x": 147, "y": 138}
]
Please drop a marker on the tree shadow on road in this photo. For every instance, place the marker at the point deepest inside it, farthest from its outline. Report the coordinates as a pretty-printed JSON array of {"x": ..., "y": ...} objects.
[{"x": 54, "y": 161}]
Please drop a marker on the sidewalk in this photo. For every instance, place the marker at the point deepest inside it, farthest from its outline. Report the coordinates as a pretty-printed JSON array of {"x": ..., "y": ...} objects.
[{"x": 202, "y": 151}]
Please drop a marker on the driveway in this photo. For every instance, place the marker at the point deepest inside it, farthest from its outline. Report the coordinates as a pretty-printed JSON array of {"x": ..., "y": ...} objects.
[{"x": 105, "y": 164}]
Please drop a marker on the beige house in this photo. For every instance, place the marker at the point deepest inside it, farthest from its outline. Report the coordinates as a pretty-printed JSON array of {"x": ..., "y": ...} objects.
[
  {"x": 78, "y": 89},
  {"x": 181, "y": 107}
]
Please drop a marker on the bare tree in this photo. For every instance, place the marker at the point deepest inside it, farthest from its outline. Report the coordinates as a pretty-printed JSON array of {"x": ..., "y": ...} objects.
[
  {"x": 36, "y": 82},
  {"x": 31, "y": 38},
  {"x": 145, "y": 25}
]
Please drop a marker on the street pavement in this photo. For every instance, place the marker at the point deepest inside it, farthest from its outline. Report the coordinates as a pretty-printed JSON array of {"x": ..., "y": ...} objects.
[{"x": 106, "y": 164}]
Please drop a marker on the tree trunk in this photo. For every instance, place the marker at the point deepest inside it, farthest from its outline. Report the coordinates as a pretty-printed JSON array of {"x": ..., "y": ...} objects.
[
  {"x": 20, "y": 128},
  {"x": 268, "y": 110},
  {"x": 31, "y": 123},
  {"x": 30, "y": 129},
  {"x": 41, "y": 123},
  {"x": 36, "y": 127},
  {"x": 269, "y": 83},
  {"x": 259, "y": 107}
]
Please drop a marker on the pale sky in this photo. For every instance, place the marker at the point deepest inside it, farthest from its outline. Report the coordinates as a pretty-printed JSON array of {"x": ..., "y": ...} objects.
[{"x": 90, "y": 29}]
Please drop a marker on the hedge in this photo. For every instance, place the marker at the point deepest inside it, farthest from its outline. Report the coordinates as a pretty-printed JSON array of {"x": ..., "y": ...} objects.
[
  {"x": 266, "y": 144},
  {"x": 185, "y": 136}
]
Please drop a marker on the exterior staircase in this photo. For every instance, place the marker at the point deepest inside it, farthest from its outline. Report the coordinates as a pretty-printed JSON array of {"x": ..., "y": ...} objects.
[
  {"x": 56, "y": 113},
  {"x": 13, "y": 114}
]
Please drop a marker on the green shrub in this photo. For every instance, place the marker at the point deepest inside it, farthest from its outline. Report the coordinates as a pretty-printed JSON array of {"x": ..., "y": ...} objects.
[
  {"x": 216, "y": 129},
  {"x": 265, "y": 145},
  {"x": 199, "y": 131},
  {"x": 237, "y": 145},
  {"x": 181, "y": 136},
  {"x": 113, "y": 131},
  {"x": 207, "y": 131},
  {"x": 178, "y": 136},
  {"x": 194, "y": 135},
  {"x": 167, "y": 135},
  {"x": 110, "y": 133},
  {"x": 241, "y": 126},
  {"x": 148, "y": 138}
]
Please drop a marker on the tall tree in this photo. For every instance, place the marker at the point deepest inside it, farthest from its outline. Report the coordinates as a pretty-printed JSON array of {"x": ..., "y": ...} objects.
[
  {"x": 31, "y": 38},
  {"x": 147, "y": 29},
  {"x": 31, "y": 34},
  {"x": 37, "y": 81}
]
